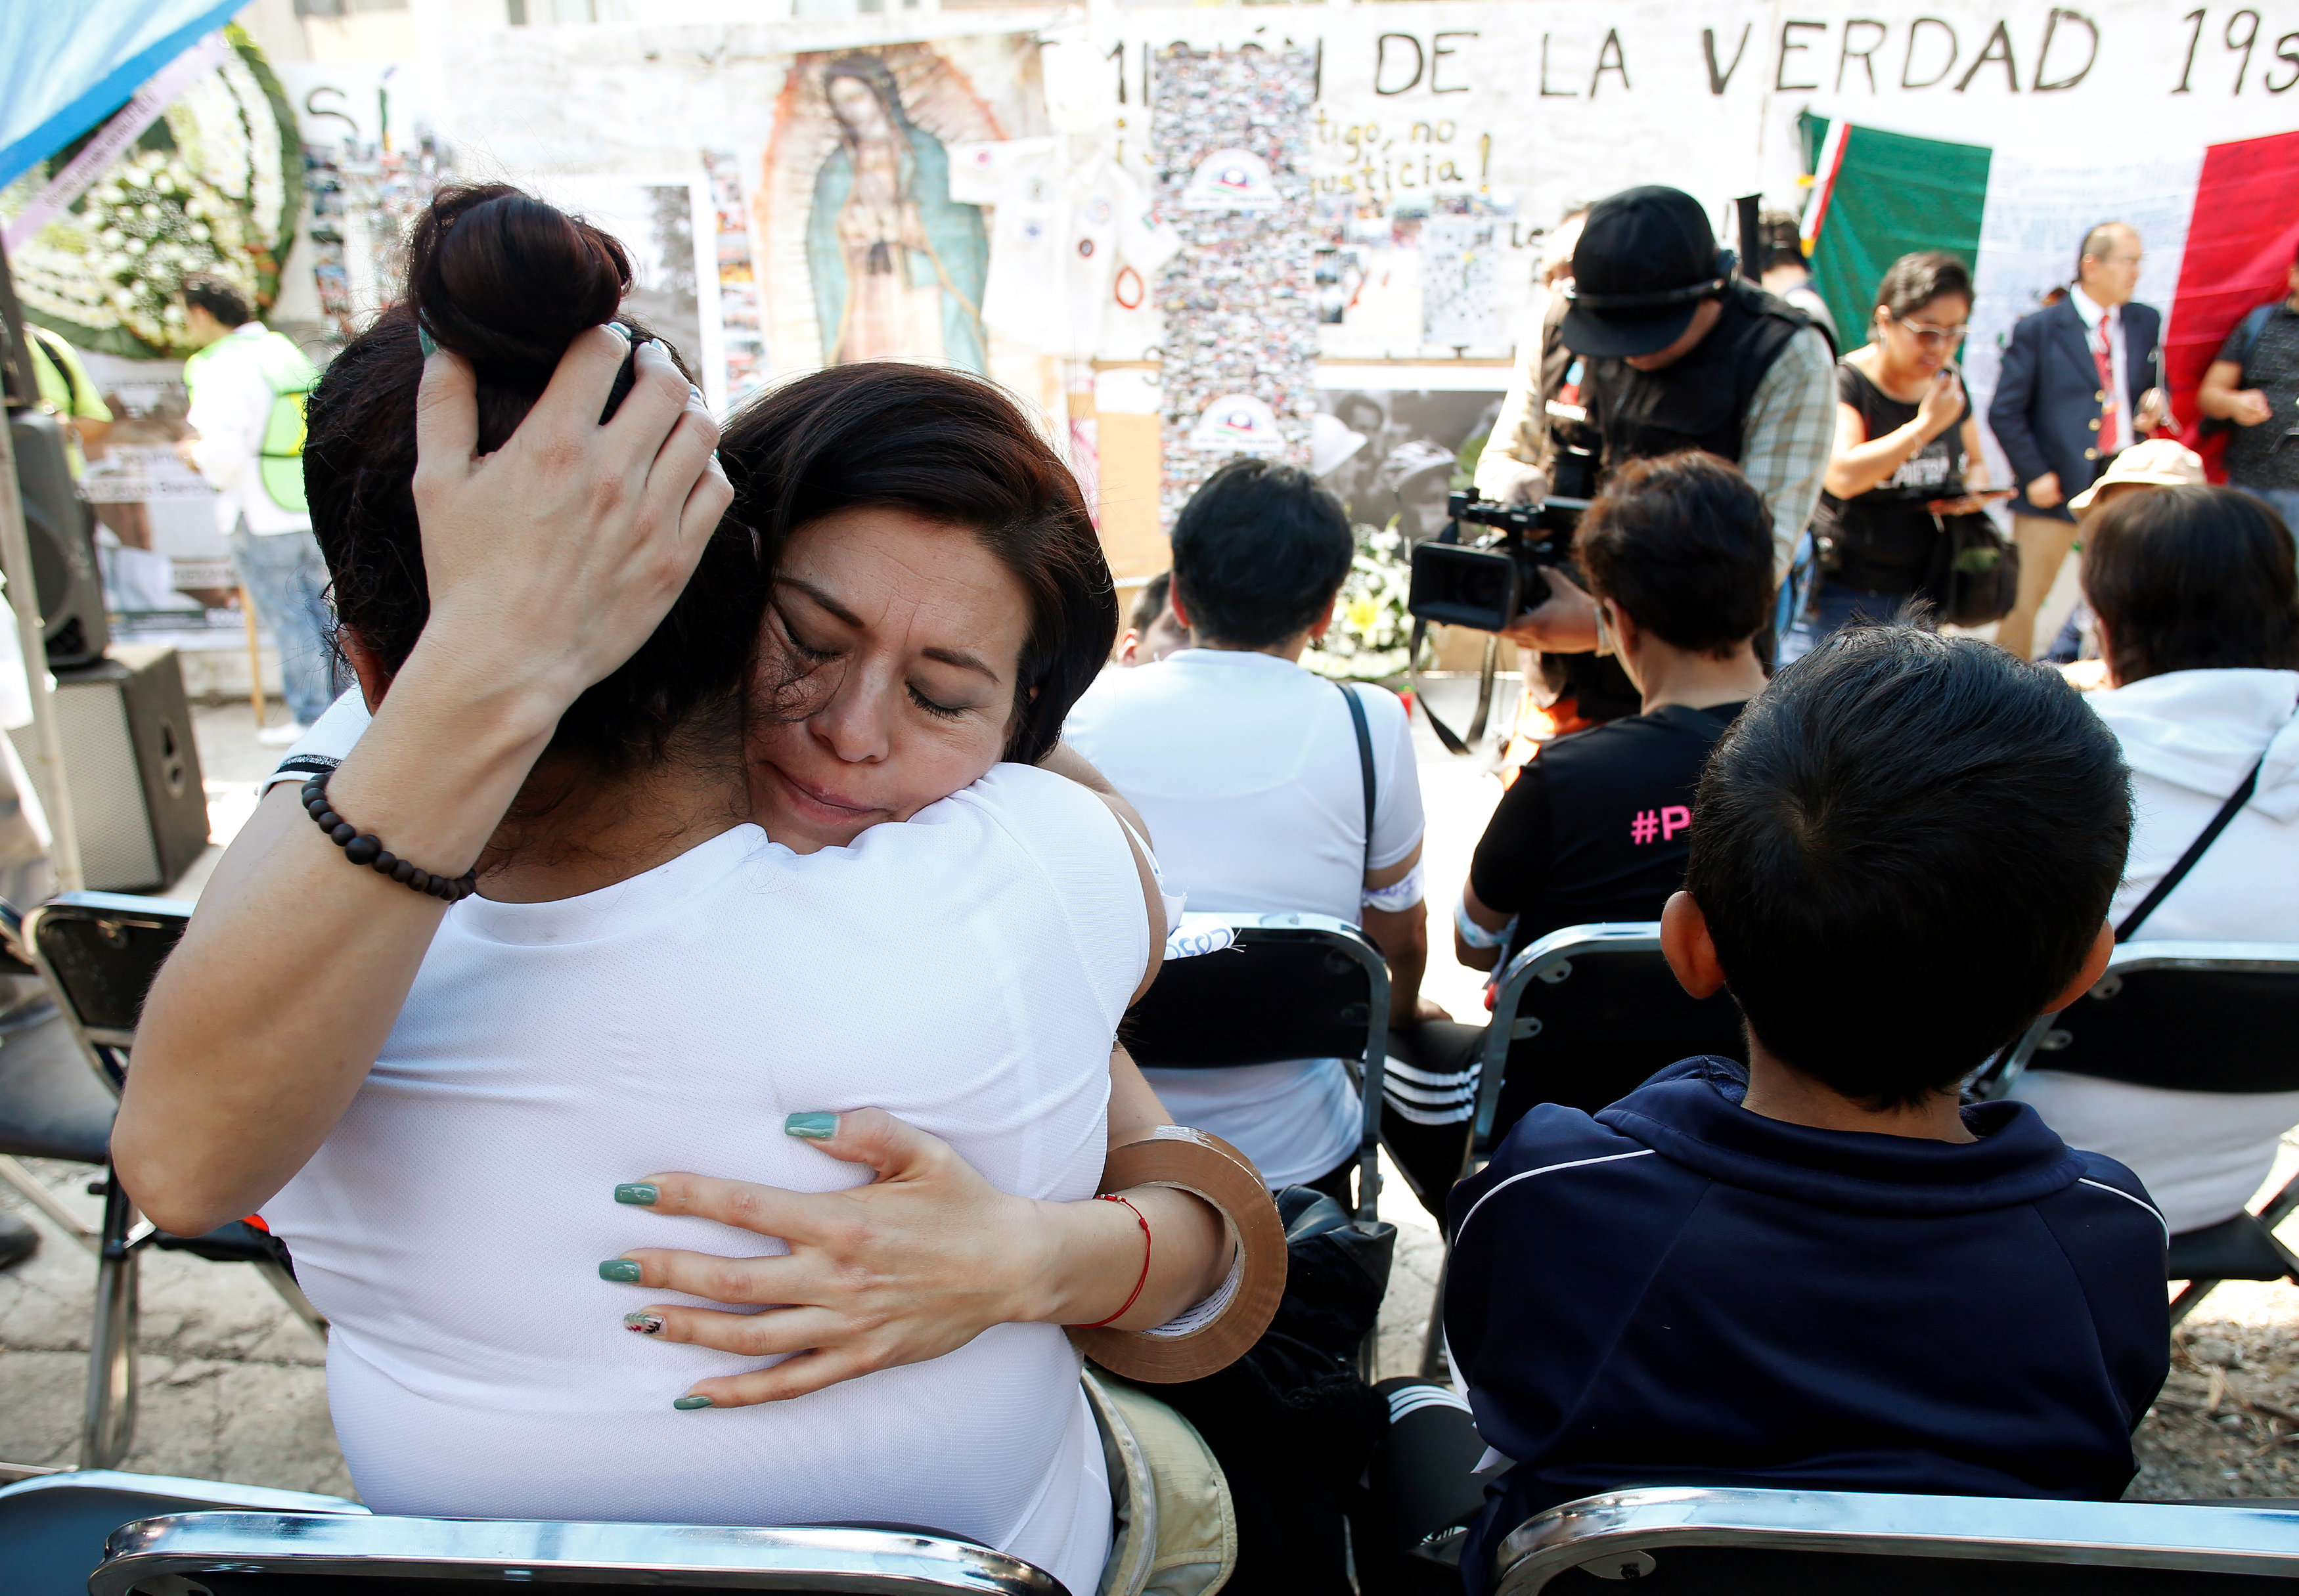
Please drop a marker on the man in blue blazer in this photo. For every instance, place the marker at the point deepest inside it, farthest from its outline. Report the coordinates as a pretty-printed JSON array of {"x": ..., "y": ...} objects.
[{"x": 2080, "y": 383}]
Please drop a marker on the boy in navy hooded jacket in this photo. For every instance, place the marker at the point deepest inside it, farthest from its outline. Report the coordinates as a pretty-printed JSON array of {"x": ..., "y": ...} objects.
[{"x": 1821, "y": 1273}]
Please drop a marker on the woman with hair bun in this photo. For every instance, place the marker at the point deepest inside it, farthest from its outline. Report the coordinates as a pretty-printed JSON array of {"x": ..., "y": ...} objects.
[
  {"x": 1906, "y": 440},
  {"x": 534, "y": 946}
]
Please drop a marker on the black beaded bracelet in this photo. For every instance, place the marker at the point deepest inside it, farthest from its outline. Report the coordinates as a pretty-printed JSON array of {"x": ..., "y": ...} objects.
[{"x": 367, "y": 849}]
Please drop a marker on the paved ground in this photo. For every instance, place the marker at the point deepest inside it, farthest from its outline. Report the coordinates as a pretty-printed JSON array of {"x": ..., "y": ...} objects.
[{"x": 232, "y": 1386}]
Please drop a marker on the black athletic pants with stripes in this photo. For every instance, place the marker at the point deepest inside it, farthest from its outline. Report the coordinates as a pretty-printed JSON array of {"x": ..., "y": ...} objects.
[{"x": 1428, "y": 1105}]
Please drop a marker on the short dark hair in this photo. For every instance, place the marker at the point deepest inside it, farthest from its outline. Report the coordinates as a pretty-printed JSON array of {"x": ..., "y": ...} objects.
[
  {"x": 220, "y": 298},
  {"x": 1913, "y": 281},
  {"x": 1684, "y": 544},
  {"x": 1905, "y": 847},
  {"x": 1258, "y": 554},
  {"x": 1149, "y": 604},
  {"x": 1780, "y": 241},
  {"x": 2192, "y": 578},
  {"x": 954, "y": 449},
  {"x": 508, "y": 282}
]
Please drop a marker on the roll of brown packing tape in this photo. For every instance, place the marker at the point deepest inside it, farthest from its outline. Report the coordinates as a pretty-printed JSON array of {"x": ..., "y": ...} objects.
[{"x": 1208, "y": 1168}]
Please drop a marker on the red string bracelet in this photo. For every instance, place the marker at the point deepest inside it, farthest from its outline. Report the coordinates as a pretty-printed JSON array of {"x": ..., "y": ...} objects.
[{"x": 1136, "y": 1296}]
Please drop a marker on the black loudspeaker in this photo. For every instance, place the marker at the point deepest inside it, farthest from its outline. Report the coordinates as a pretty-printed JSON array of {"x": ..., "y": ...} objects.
[
  {"x": 139, "y": 803},
  {"x": 62, "y": 535}
]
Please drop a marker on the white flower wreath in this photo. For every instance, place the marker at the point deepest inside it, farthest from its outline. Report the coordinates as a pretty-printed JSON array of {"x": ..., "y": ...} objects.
[{"x": 210, "y": 188}]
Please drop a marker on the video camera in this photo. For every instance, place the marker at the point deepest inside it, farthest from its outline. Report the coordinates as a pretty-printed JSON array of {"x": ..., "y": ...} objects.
[{"x": 1482, "y": 584}]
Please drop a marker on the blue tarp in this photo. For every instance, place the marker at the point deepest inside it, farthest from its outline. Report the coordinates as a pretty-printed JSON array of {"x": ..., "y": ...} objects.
[{"x": 67, "y": 65}]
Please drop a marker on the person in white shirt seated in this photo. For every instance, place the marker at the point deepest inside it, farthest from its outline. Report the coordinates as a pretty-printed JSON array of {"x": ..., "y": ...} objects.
[
  {"x": 1246, "y": 768},
  {"x": 438, "y": 1097},
  {"x": 2198, "y": 614}
]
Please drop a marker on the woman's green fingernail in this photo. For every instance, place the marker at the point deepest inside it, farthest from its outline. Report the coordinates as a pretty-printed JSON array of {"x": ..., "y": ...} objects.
[
  {"x": 814, "y": 1127},
  {"x": 425, "y": 341},
  {"x": 638, "y": 1192},
  {"x": 688, "y": 1404},
  {"x": 645, "y": 1323},
  {"x": 619, "y": 1269}
]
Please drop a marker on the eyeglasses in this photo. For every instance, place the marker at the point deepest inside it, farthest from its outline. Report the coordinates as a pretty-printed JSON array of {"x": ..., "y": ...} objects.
[{"x": 1925, "y": 332}]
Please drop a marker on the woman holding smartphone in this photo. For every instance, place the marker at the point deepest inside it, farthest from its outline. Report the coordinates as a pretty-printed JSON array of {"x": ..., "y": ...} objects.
[{"x": 1907, "y": 450}]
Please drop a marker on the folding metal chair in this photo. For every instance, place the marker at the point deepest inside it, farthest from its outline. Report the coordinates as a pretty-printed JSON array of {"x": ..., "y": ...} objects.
[
  {"x": 55, "y": 1527},
  {"x": 2196, "y": 1017},
  {"x": 1750, "y": 1543},
  {"x": 1583, "y": 1015},
  {"x": 98, "y": 952},
  {"x": 248, "y": 1554},
  {"x": 1287, "y": 986}
]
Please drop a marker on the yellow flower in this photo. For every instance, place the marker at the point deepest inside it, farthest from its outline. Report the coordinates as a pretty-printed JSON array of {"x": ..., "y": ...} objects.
[{"x": 1363, "y": 613}]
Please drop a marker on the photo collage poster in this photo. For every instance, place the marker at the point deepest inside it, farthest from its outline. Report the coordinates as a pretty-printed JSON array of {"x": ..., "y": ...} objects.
[{"x": 1240, "y": 363}]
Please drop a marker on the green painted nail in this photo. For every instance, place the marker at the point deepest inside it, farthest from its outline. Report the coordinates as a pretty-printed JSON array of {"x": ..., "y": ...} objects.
[
  {"x": 620, "y": 1269},
  {"x": 637, "y": 1193},
  {"x": 645, "y": 1323},
  {"x": 814, "y": 1127},
  {"x": 425, "y": 341},
  {"x": 689, "y": 1404}
]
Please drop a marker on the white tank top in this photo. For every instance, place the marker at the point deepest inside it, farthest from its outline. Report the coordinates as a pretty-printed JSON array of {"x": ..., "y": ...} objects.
[{"x": 966, "y": 971}]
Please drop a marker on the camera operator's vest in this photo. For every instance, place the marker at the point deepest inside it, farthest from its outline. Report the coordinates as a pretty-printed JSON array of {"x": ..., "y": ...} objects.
[{"x": 1701, "y": 401}]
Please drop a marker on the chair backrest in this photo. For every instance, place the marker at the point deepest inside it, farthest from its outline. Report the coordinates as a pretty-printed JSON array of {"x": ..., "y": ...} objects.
[
  {"x": 1748, "y": 1542},
  {"x": 246, "y": 1554},
  {"x": 55, "y": 1526},
  {"x": 1583, "y": 1015},
  {"x": 2193, "y": 1016},
  {"x": 1286, "y": 986},
  {"x": 98, "y": 952}
]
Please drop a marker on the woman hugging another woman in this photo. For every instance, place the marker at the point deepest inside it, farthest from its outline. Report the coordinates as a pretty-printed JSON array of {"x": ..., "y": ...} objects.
[{"x": 595, "y": 669}]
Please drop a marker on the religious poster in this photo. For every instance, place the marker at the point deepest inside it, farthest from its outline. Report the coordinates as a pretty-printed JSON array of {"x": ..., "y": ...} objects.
[{"x": 871, "y": 257}]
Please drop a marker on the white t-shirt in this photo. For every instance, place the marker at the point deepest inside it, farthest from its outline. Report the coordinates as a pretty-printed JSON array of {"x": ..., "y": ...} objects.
[
  {"x": 966, "y": 972},
  {"x": 1245, "y": 767},
  {"x": 1062, "y": 232},
  {"x": 2189, "y": 737}
]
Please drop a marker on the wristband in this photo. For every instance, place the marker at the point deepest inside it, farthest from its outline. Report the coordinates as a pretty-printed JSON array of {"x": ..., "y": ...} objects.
[
  {"x": 1197, "y": 1345},
  {"x": 1472, "y": 933},
  {"x": 1398, "y": 895}
]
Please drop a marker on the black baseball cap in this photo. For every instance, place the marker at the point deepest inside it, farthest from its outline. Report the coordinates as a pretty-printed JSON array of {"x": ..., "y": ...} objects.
[{"x": 1646, "y": 259}]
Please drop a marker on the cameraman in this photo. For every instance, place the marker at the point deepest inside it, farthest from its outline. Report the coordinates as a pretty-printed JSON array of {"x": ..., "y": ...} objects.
[
  {"x": 1677, "y": 353},
  {"x": 1679, "y": 553}
]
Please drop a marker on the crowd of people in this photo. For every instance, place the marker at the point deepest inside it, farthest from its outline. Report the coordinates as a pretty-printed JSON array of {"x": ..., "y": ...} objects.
[{"x": 697, "y": 782}]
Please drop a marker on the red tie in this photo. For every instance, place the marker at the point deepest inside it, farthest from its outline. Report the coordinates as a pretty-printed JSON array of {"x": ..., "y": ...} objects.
[{"x": 2109, "y": 410}]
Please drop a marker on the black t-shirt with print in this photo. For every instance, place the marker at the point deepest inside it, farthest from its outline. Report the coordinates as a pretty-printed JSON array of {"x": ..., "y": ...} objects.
[
  {"x": 2263, "y": 456},
  {"x": 1882, "y": 539},
  {"x": 1597, "y": 826}
]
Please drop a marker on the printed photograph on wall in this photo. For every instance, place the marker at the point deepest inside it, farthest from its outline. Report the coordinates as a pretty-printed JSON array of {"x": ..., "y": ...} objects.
[
  {"x": 1393, "y": 456},
  {"x": 671, "y": 234},
  {"x": 855, "y": 205},
  {"x": 1397, "y": 453}
]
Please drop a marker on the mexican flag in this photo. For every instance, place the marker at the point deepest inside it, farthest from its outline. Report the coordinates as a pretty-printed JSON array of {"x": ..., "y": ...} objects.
[{"x": 2219, "y": 223}]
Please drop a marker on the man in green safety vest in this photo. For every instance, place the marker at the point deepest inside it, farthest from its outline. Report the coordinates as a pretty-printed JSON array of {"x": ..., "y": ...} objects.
[{"x": 248, "y": 386}]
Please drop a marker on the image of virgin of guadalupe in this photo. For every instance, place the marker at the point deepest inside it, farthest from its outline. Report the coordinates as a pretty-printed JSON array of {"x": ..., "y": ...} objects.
[{"x": 898, "y": 265}]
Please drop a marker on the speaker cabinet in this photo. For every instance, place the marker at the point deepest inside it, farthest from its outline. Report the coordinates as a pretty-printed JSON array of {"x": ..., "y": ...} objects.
[
  {"x": 133, "y": 771},
  {"x": 64, "y": 574}
]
